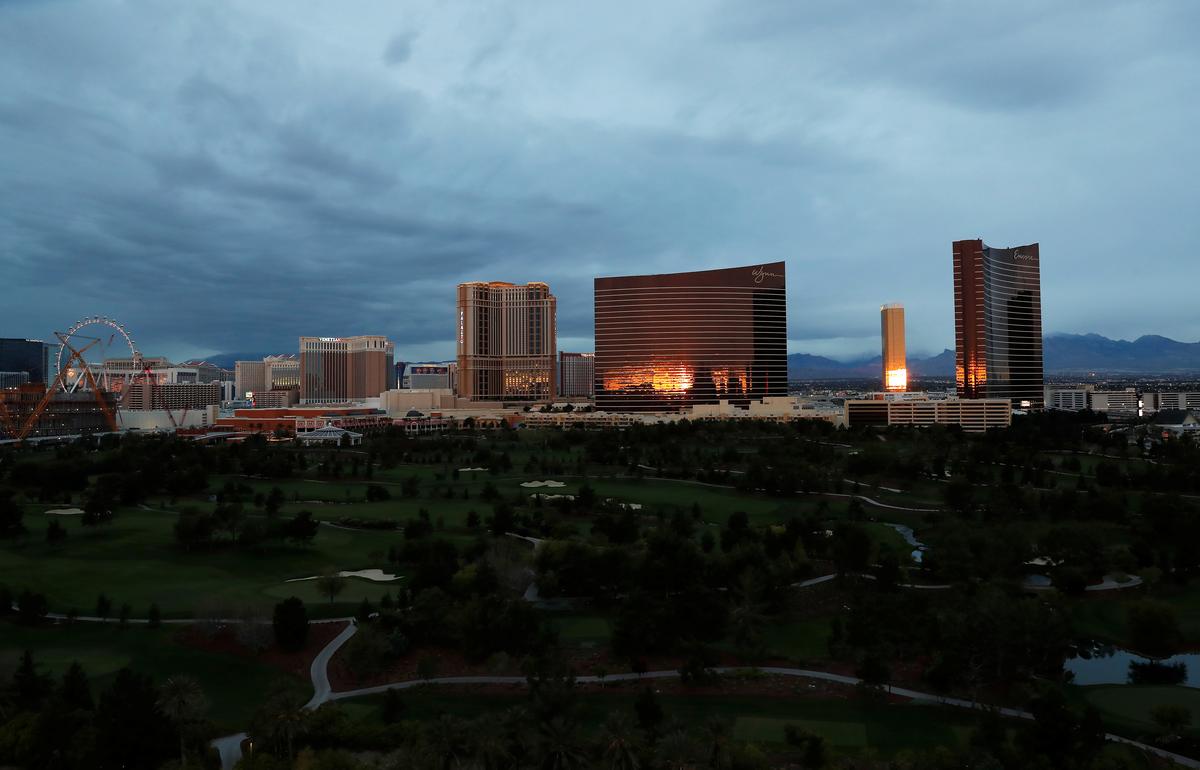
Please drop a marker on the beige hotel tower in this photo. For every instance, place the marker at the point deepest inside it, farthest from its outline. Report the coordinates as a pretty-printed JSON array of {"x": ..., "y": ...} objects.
[
  {"x": 895, "y": 366},
  {"x": 507, "y": 341}
]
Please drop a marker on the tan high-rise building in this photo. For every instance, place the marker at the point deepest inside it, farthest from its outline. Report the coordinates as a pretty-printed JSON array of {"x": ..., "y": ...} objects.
[
  {"x": 335, "y": 370},
  {"x": 249, "y": 377},
  {"x": 506, "y": 341},
  {"x": 895, "y": 363}
]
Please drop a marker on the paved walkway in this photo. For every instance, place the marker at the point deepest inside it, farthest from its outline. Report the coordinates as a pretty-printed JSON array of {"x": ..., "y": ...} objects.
[
  {"x": 319, "y": 670},
  {"x": 172, "y": 621},
  {"x": 878, "y": 504},
  {"x": 826, "y": 578},
  {"x": 230, "y": 746},
  {"x": 826, "y": 676}
]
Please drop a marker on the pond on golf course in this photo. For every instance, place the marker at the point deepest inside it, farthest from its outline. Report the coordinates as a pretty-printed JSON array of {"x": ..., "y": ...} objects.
[{"x": 1095, "y": 663}]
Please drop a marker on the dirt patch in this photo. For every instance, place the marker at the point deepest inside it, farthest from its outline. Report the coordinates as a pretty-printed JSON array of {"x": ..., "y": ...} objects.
[{"x": 225, "y": 642}]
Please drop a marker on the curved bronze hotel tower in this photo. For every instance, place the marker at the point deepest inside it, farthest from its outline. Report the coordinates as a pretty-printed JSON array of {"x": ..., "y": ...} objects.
[
  {"x": 667, "y": 342},
  {"x": 998, "y": 323}
]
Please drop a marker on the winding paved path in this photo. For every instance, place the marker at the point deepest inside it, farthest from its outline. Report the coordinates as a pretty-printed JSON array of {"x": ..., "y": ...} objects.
[
  {"x": 825, "y": 676},
  {"x": 230, "y": 747}
]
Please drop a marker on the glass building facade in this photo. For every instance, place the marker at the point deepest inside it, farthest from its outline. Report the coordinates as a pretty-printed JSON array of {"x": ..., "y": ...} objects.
[
  {"x": 998, "y": 323},
  {"x": 668, "y": 342},
  {"x": 29, "y": 356},
  {"x": 895, "y": 365}
]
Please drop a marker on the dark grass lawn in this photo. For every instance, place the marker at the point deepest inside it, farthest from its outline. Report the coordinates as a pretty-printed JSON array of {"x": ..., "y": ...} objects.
[{"x": 848, "y": 723}]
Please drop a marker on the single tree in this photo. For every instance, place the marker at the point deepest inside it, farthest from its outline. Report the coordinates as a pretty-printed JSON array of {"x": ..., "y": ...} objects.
[
  {"x": 11, "y": 516},
  {"x": 290, "y": 623},
  {"x": 183, "y": 702},
  {"x": 55, "y": 532},
  {"x": 74, "y": 692},
  {"x": 331, "y": 583},
  {"x": 29, "y": 685},
  {"x": 427, "y": 667},
  {"x": 1172, "y": 718},
  {"x": 649, "y": 713}
]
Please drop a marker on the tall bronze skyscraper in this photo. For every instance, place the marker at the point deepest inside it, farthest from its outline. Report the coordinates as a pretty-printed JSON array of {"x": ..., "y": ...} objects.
[
  {"x": 895, "y": 366},
  {"x": 669, "y": 342},
  {"x": 998, "y": 323},
  {"x": 507, "y": 342}
]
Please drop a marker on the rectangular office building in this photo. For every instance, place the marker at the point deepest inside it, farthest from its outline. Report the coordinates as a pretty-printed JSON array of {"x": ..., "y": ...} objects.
[
  {"x": 29, "y": 356},
  {"x": 666, "y": 343},
  {"x": 972, "y": 415},
  {"x": 335, "y": 370},
  {"x": 576, "y": 374}
]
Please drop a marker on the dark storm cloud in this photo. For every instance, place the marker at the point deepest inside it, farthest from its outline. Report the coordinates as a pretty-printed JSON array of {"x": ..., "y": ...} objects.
[{"x": 231, "y": 176}]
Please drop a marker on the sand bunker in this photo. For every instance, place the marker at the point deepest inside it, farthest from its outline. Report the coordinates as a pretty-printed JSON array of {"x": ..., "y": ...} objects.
[
  {"x": 464, "y": 470},
  {"x": 552, "y": 497},
  {"x": 543, "y": 484},
  {"x": 65, "y": 512},
  {"x": 378, "y": 575}
]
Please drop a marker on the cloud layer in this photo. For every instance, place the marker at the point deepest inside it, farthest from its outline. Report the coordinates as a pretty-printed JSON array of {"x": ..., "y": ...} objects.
[{"x": 230, "y": 175}]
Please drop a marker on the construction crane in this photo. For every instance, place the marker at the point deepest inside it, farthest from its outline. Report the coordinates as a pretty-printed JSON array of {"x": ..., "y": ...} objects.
[{"x": 76, "y": 356}]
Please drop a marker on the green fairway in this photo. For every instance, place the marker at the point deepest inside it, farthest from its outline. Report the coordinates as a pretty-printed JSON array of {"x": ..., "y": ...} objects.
[
  {"x": 1129, "y": 706},
  {"x": 135, "y": 560},
  {"x": 582, "y": 629},
  {"x": 799, "y": 640},
  {"x": 234, "y": 685}
]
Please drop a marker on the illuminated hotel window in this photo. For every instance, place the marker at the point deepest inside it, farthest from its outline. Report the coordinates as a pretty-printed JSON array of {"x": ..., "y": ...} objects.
[{"x": 667, "y": 342}]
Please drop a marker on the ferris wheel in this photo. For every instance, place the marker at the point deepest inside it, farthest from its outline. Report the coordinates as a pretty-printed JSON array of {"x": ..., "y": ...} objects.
[{"x": 76, "y": 375}]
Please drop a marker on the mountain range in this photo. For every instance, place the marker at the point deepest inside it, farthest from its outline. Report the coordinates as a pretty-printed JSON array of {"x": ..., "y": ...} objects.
[{"x": 1063, "y": 354}]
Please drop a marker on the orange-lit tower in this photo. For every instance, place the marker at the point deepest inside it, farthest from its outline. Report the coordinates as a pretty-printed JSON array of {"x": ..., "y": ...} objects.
[{"x": 895, "y": 366}]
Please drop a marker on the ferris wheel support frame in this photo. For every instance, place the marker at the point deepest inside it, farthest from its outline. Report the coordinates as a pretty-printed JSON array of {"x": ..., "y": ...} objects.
[{"x": 70, "y": 386}]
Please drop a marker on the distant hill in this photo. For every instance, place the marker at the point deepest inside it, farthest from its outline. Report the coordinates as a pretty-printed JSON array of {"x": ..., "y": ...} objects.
[
  {"x": 226, "y": 360},
  {"x": 1152, "y": 354},
  {"x": 803, "y": 366},
  {"x": 1064, "y": 354}
]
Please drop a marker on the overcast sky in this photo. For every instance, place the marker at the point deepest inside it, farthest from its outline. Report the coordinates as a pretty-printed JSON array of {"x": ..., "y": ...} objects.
[{"x": 227, "y": 176}]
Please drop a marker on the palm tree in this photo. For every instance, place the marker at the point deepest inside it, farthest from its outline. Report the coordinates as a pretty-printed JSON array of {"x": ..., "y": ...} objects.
[
  {"x": 677, "y": 751},
  {"x": 561, "y": 749},
  {"x": 445, "y": 739},
  {"x": 182, "y": 700},
  {"x": 716, "y": 730},
  {"x": 619, "y": 742},
  {"x": 490, "y": 748},
  {"x": 287, "y": 718}
]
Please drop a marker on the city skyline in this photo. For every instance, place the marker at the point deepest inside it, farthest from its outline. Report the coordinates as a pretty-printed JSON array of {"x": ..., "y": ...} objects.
[{"x": 364, "y": 173}]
